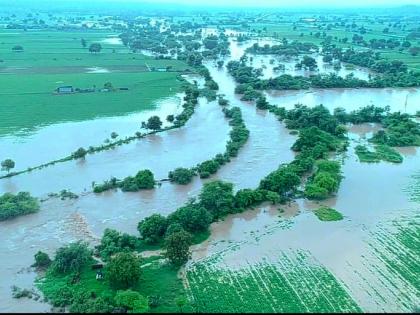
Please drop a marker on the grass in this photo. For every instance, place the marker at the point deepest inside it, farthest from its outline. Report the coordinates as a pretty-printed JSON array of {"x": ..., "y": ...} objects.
[
  {"x": 296, "y": 284},
  {"x": 159, "y": 280},
  {"x": 328, "y": 214},
  {"x": 381, "y": 153}
]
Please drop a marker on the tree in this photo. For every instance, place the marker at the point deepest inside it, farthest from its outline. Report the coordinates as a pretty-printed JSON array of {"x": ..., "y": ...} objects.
[
  {"x": 71, "y": 258},
  {"x": 181, "y": 175},
  {"x": 7, "y": 165},
  {"x": 132, "y": 301},
  {"x": 152, "y": 228},
  {"x": 192, "y": 217},
  {"x": 178, "y": 247},
  {"x": 217, "y": 197},
  {"x": 83, "y": 42},
  {"x": 123, "y": 270},
  {"x": 42, "y": 260},
  {"x": 79, "y": 153},
  {"x": 144, "y": 179},
  {"x": 95, "y": 48},
  {"x": 262, "y": 103},
  {"x": 154, "y": 123},
  {"x": 170, "y": 118}
]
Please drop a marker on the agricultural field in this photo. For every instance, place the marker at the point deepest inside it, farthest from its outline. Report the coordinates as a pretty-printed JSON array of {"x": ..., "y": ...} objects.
[
  {"x": 53, "y": 59},
  {"x": 295, "y": 283}
]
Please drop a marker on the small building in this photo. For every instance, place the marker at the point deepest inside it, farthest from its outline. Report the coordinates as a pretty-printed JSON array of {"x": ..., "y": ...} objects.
[{"x": 65, "y": 89}]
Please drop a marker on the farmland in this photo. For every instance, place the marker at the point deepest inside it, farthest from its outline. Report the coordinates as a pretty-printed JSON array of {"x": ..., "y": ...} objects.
[
  {"x": 295, "y": 283},
  {"x": 53, "y": 59}
]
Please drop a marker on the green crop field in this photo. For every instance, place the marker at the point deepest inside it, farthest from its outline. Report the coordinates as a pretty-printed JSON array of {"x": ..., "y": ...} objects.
[
  {"x": 55, "y": 58},
  {"x": 28, "y": 101},
  {"x": 294, "y": 284}
]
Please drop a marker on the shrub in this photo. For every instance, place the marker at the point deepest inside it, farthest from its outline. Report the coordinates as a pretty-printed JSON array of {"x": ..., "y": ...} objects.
[{"x": 42, "y": 260}]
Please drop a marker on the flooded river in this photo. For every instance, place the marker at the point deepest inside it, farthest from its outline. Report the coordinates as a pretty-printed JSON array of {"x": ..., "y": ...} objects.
[{"x": 365, "y": 198}]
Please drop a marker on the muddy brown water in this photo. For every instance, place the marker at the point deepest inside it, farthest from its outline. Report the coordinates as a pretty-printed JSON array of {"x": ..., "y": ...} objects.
[
  {"x": 60, "y": 222},
  {"x": 56, "y": 141}
]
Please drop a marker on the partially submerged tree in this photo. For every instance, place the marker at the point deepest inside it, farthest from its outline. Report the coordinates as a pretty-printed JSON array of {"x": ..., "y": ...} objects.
[{"x": 7, "y": 165}]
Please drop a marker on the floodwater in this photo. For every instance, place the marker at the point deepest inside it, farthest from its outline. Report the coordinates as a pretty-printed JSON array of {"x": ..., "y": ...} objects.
[
  {"x": 60, "y": 140},
  {"x": 261, "y": 233},
  {"x": 366, "y": 198}
]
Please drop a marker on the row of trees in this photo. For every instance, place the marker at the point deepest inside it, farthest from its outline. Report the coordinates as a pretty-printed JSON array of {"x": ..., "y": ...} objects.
[{"x": 238, "y": 136}]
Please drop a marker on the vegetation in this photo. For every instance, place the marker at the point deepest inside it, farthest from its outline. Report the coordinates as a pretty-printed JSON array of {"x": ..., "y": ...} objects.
[
  {"x": 123, "y": 270},
  {"x": 7, "y": 165},
  {"x": 325, "y": 181},
  {"x": 177, "y": 245},
  {"x": 71, "y": 258},
  {"x": 381, "y": 153},
  {"x": 143, "y": 180},
  {"x": 12, "y": 205},
  {"x": 328, "y": 214},
  {"x": 42, "y": 260}
]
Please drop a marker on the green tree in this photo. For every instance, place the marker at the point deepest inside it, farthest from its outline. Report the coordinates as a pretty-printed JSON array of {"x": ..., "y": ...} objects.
[
  {"x": 177, "y": 247},
  {"x": 95, "y": 48},
  {"x": 154, "y": 123},
  {"x": 123, "y": 270},
  {"x": 192, "y": 217},
  {"x": 181, "y": 175},
  {"x": 132, "y": 301},
  {"x": 83, "y": 42},
  {"x": 152, "y": 228},
  {"x": 79, "y": 153},
  {"x": 7, "y": 165},
  {"x": 71, "y": 258},
  {"x": 217, "y": 197},
  {"x": 262, "y": 103},
  {"x": 144, "y": 179}
]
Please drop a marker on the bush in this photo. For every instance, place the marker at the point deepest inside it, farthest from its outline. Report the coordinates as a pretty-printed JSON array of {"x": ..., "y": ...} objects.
[
  {"x": 132, "y": 301},
  {"x": 123, "y": 270},
  {"x": 42, "y": 260},
  {"x": 152, "y": 228},
  {"x": 15, "y": 205},
  {"x": 79, "y": 153},
  {"x": 71, "y": 258}
]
